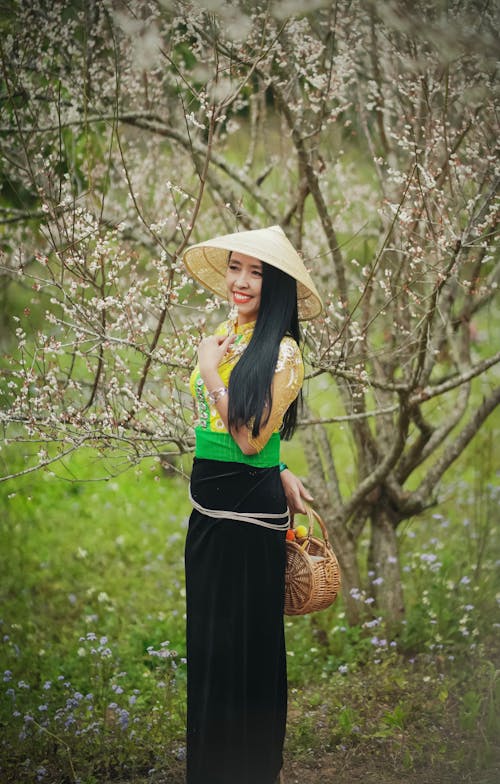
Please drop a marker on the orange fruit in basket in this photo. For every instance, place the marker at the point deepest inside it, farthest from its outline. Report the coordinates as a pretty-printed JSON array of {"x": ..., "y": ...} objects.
[{"x": 290, "y": 535}]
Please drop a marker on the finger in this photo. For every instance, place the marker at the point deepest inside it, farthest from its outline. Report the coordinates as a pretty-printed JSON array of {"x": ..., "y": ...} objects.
[
  {"x": 297, "y": 503},
  {"x": 304, "y": 492},
  {"x": 226, "y": 341}
]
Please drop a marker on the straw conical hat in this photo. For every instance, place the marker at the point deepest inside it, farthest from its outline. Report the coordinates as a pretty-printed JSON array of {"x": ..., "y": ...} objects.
[{"x": 207, "y": 263}]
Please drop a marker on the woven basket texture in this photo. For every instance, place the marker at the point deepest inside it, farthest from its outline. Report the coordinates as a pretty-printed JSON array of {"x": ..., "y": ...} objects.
[{"x": 312, "y": 577}]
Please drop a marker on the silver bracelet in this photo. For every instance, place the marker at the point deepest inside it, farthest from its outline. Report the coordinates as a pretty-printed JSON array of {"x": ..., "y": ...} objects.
[{"x": 216, "y": 395}]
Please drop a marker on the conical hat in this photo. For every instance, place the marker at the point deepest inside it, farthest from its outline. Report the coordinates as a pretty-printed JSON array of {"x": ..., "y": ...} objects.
[{"x": 207, "y": 263}]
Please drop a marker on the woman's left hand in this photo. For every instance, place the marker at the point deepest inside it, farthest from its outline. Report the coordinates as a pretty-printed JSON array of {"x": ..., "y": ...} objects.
[
  {"x": 295, "y": 492},
  {"x": 211, "y": 351}
]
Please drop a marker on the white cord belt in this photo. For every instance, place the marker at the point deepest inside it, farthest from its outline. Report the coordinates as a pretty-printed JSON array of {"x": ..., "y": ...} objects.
[{"x": 256, "y": 518}]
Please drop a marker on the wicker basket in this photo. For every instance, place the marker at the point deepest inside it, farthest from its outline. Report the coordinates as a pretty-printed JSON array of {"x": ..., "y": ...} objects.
[{"x": 312, "y": 578}]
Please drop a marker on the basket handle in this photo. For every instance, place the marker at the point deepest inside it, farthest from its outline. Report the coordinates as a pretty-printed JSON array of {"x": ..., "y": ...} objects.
[{"x": 313, "y": 515}]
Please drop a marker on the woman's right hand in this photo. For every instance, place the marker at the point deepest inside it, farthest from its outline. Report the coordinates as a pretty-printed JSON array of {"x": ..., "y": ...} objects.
[{"x": 211, "y": 351}]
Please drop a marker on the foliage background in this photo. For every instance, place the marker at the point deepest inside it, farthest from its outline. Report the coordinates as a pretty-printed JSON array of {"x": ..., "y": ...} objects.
[{"x": 369, "y": 132}]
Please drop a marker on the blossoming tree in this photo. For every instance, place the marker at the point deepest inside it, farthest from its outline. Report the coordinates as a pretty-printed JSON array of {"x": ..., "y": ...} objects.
[{"x": 366, "y": 130}]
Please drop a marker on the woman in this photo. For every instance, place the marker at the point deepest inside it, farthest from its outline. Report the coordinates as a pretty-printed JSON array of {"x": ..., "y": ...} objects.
[{"x": 246, "y": 386}]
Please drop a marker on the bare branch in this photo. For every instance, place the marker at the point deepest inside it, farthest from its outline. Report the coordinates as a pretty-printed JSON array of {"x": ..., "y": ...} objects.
[
  {"x": 384, "y": 467},
  {"x": 49, "y": 461},
  {"x": 420, "y": 496},
  {"x": 315, "y": 190},
  {"x": 440, "y": 388},
  {"x": 432, "y": 437}
]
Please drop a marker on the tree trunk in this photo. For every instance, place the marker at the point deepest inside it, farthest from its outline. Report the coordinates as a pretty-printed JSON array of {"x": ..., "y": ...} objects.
[
  {"x": 385, "y": 573},
  {"x": 345, "y": 550},
  {"x": 324, "y": 487}
]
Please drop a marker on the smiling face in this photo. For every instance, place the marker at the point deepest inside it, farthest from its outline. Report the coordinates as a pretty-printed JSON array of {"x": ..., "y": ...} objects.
[{"x": 244, "y": 285}]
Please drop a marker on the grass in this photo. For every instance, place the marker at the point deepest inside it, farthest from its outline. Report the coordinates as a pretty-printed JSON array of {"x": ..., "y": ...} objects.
[{"x": 92, "y": 630}]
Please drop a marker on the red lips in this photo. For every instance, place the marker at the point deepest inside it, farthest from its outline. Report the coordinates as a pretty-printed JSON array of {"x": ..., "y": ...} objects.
[{"x": 241, "y": 298}]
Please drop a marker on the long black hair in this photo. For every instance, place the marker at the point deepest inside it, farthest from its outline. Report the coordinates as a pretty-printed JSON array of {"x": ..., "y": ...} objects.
[{"x": 250, "y": 393}]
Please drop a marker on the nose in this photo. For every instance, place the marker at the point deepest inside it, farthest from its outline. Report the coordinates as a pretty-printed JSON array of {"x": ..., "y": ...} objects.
[{"x": 241, "y": 280}]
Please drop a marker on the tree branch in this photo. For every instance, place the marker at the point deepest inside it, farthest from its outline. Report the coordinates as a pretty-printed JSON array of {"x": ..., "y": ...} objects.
[
  {"x": 439, "y": 388},
  {"x": 421, "y": 495},
  {"x": 383, "y": 468},
  {"x": 315, "y": 190},
  {"x": 431, "y": 440}
]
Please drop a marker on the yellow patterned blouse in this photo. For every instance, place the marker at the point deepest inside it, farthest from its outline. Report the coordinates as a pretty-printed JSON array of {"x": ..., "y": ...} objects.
[{"x": 212, "y": 439}]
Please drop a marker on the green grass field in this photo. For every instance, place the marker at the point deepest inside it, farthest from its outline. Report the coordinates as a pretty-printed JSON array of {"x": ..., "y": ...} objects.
[{"x": 92, "y": 628}]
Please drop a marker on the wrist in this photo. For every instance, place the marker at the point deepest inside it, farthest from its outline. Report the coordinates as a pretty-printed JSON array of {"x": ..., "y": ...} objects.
[
  {"x": 211, "y": 378},
  {"x": 214, "y": 395}
]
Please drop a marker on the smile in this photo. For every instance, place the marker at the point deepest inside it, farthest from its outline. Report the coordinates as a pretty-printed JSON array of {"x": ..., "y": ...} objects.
[{"x": 241, "y": 299}]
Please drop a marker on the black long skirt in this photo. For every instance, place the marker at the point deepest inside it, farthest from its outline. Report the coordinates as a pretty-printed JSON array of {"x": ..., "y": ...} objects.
[{"x": 236, "y": 660}]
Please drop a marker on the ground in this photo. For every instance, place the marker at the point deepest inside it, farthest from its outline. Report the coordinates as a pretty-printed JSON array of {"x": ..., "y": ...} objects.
[
  {"x": 351, "y": 767},
  {"x": 332, "y": 770}
]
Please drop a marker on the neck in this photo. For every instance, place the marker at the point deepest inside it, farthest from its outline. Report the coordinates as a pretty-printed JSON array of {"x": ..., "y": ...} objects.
[{"x": 242, "y": 321}]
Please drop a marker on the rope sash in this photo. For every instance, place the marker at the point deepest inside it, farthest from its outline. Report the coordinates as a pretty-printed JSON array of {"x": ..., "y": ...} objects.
[{"x": 256, "y": 518}]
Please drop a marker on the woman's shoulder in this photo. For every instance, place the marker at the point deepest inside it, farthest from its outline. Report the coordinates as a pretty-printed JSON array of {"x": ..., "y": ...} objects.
[
  {"x": 289, "y": 345},
  {"x": 289, "y": 353}
]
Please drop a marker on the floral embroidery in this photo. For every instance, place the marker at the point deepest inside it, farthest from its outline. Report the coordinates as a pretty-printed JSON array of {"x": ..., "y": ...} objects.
[{"x": 288, "y": 379}]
